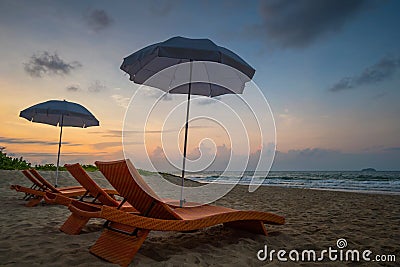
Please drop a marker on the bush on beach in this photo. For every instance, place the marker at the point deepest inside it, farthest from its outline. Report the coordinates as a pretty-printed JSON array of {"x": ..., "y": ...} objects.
[{"x": 10, "y": 163}]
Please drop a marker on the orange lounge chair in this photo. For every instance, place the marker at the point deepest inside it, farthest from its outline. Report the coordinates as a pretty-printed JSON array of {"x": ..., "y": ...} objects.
[
  {"x": 49, "y": 186},
  {"x": 74, "y": 224},
  {"x": 40, "y": 186},
  {"x": 124, "y": 233},
  {"x": 36, "y": 185}
]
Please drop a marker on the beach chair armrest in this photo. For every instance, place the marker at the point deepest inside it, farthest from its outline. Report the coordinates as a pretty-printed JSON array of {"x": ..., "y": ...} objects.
[{"x": 85, "y": 209}]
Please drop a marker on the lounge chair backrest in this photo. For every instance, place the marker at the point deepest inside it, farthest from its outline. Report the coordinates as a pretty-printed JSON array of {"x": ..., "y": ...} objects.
[
  {"x": 32, "y": 178},
  {"x": 124, "y": 177},
  {"x": 91, "y": 186},
  {"x": 43, "y": 181}
]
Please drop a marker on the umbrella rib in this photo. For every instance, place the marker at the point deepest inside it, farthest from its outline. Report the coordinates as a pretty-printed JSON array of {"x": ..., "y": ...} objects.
[
  {"x": 208, "y": 76},
  {"x": 173, "y": 77}
]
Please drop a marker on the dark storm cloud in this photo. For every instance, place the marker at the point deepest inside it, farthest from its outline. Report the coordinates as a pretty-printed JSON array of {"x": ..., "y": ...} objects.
[
  {"x": 46, "y": 63},
  {"x": 289, "y": 23},
  {"x": 98, "y": 19},
  {"x": 381, "y": 71}
]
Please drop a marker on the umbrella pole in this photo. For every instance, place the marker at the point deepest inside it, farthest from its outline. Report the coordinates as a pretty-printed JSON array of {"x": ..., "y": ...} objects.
[
  {"x": 59, "y": 148},
  {"x": 182, "y": 200}
]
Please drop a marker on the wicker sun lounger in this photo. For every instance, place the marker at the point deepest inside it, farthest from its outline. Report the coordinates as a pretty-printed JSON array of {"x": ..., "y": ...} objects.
[
  {"x": 124, "y": 232},
  {"x": 74, "y": 224},
  {"x": 49, "y": 186},
  {"x": 36, "y": 185},
  {"x": 40, "y": 186},
  {"x": 42, "y": 189}
]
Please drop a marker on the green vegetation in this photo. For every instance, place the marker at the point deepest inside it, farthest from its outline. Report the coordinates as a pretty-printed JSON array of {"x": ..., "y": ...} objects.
[
  {"x": 49, "y": 167},
  {"x": 90, "y": 168},
  {"x": 52, "y": 167},
  {"x": 10, "y": 163},
  {"x": 144, "y": 172}
]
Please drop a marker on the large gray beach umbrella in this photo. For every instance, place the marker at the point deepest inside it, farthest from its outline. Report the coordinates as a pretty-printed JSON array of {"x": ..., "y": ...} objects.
[
  {"x": 170, "y": 54},
  {"x": 61, "y": 113}
]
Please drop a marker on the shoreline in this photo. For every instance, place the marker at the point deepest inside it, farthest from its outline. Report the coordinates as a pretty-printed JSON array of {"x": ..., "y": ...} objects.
[{"x": 377, "y": 192}]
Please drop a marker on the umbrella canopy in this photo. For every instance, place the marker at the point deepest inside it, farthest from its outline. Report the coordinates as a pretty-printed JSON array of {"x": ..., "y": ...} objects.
[
  {"x": 54, "y": 111},
  {"x": 61, "y": 113},
  {"x": 169, "y": 57}
]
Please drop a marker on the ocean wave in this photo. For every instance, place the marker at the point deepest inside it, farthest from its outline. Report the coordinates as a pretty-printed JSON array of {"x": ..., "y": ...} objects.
[{"x": 388, "y": 182}]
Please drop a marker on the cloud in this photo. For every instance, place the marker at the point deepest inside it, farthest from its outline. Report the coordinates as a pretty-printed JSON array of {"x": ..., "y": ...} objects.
[
  {"x": 97, "y": 87},
  {"x": 161, "y": 7},
  {"x": 204, "y": 101},
  {"x": 73, "y": 88},
  {"x": 216, "y": 158},
  {"x": 312, "y": 152},
  {"x": 314, "y": 159},
  {"x": 390, "y": 149},
  {"x": 380, "y": 95},
  {"x": 98, "y": 19},
  {"x": 220, "y": 162},
  {"x": 64, "y": 154},
  {"x": 32, "y": 141},
  {"x": 160, "y": 161},
  {"x": 155, "y": 94},
  {"x": 311, "y": 159},
  {"x": 49, "y": 64},
  {"x": 328, "y": 160},
  {"x": 379, "y": 72},
  {"x": 299, "y": 23},
  {"x": 288, "y": 118},
  {"x": 118, "y": 133},
  {"x": 108, "y": 133},
  {"x": 121, "y": 100},
  {"x": 67, "y": 157},
  {"x": 261, "y": 158},
  {"x": 104, "y": 145}
]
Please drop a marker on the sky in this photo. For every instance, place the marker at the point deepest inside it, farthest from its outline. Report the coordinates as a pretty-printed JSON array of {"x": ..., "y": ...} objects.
[{"x": 330, "y": 71}]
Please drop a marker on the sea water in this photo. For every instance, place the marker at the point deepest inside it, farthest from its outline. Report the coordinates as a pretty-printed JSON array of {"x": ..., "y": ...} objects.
[{"x": 384, "y": 182}]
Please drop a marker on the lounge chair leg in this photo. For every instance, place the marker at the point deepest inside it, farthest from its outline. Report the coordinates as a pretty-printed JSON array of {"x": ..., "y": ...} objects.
[
  {"x": 118, "y": 248},
  {"x": 256, "y": 227},
  {"x": 74, "y": 224},
  {"x": 34, "y": 202}
]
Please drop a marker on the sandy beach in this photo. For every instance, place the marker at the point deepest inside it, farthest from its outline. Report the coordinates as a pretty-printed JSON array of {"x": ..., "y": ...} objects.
[{"x": 315, "y": 220}]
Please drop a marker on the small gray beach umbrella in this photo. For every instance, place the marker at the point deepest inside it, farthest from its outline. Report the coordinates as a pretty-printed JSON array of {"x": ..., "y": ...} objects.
[
  {"x": 170, "y": 54},
  {"x": 61, "y": 113}
]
